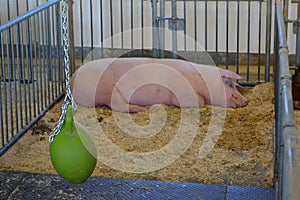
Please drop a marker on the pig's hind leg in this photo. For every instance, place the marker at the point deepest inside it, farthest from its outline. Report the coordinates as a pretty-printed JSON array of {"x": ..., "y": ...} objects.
[{"x": 119, "y": 104}]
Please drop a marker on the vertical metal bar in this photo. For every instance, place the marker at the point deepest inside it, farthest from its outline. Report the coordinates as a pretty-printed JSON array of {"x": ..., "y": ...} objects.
[
  {"x": 27, "y": 79},
  {"x": 8, "y": 98},
  {"x": 35, "y": 84},
  {"x": 238, "y": 36},
  {"x": 71, "y": 37},
  {"x": 278, "y": 141},
  {"x": 17, "y": 7},
  {"x": 17, "y": 87},
  {"x": 162, "y": 28},
  {"x": 184, "y": 16},
  {"x": 15, "y": 105},
  {"x": 195, "y": 24},
  {"x": 122, "y": 23},
  {"x": 30, "y": 71},
  {"x": 81, "y": 30},
  {"x": 19, "y": 60},
  {"x": 42, "y": 71},
  {"x": 227, "y": 33},
  {"x": 27, "y": 6},
  {"x": 20, "y": 72},
  {"x": 131, "y": 23},
  {"x": 259, "y": 40},
  {"x": 92, "y": 24},
  {"x": 45, "y": 53},
  {"x": 49, "y": 57},
  {"x": 248, "y": 40},
  {"x": 154, "y": 28},
  {"x": 29, "y": 60},
  {"x": 4, "y": 88},
  {"x": 9, "y": 31},
  {"x": 10, "y": 75},
  {"x": 268, "y": 40},
  {"x": 277, "y": 137},
  {"x": 111, "y": 25},
  {"x": 39, "y": 74},
  {"x": 174, "y": 30},
  {"x": 101, "y": 26},
  {"x": 205, "y": 24},
  {"x": 59, "y": 50},
  {"x": 142, "y": 25},
  {"x": 54, "y": 49},
  {"x": 217, "y": 33},
  {"x": 8, "y": 10},
  {"x": 286, "y": 13}
]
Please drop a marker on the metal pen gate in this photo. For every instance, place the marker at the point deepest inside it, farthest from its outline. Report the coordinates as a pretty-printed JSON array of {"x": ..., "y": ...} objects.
[
  {"x": 31, "y": 65},
  {"x": 220, "y": 52}
]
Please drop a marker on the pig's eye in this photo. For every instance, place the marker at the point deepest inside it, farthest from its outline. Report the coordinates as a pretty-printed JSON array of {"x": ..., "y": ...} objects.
[{"x": 234, "y": 96}]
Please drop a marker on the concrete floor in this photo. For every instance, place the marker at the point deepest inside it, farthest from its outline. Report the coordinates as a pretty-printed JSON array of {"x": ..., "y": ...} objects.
[{"x": 23, "y": 185}]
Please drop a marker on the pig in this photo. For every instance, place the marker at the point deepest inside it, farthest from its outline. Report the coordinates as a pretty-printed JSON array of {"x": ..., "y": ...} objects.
[{"x": 130, "y": 84}]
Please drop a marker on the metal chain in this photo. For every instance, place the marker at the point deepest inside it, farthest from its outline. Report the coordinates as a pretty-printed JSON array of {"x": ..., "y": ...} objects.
[{"x": 69, "y": 97}]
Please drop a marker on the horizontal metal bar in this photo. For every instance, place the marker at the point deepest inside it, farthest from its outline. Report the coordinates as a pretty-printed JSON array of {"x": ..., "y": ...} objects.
[
  {"x": 281, "y": 26},
  {"x": 27, "y": 15},
  {"x": 291, "y": 20},
  {"x": 167, "y": 18}
]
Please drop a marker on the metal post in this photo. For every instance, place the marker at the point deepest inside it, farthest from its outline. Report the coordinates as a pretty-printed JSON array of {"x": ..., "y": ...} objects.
[
  {"x": 276, "y": 136},
  {"x": 268, "y": 40},
  {"x": 162, "y": 28},
  {"x": 174, "y": 30},
  {"x": 71, "y": 38},
  {"x": 154, "y": 28}
]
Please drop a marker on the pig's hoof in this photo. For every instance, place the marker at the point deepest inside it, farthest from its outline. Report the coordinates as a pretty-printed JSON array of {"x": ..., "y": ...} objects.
[{"x": 135, "y": 109}]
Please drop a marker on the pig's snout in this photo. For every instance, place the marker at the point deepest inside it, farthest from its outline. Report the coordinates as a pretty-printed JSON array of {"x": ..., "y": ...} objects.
[{"x": 242, "y": 102}]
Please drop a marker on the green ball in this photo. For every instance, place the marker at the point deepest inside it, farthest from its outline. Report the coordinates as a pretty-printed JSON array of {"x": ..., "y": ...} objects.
[{"x": 73, "y": 152}]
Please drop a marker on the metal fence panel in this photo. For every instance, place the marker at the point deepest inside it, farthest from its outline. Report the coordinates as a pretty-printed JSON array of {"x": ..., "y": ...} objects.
[
  {"x": 31, "y": 69},
  {"x": 286, "y": 166}
]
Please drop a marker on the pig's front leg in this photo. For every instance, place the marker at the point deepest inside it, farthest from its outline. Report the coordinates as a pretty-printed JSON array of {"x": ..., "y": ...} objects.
[
  {"x": 119, "y": 104},
  {"x": 187, "y": 103}
]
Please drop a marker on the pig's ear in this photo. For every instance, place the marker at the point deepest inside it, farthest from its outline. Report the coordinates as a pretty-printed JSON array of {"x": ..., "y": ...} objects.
[
  {"x": 239, "y": 87},
  {"x": 230, "y": 74}
]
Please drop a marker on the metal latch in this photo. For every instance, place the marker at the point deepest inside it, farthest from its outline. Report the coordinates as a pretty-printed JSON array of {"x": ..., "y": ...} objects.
[
  {"x": 174, "y": 23},
  {"x": 296, "y": 25}
]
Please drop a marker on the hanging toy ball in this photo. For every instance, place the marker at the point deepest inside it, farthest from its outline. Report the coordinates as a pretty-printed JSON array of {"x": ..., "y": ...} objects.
[{"x": 73, "y": 151}]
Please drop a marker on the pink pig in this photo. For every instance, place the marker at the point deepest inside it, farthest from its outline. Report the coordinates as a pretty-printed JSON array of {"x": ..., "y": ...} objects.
[{"x": 129, "y": 84}]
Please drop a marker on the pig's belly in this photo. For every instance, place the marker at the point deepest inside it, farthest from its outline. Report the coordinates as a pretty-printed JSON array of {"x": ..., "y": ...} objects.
[{"x": 148, "y": 95}]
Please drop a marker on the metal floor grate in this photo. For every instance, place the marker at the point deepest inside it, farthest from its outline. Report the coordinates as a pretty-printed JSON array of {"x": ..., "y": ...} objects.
[{"x": 22, "y": 185}]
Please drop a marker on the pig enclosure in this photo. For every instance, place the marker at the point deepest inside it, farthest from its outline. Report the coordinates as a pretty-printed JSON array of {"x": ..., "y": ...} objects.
[{"x": 205, "y": 32}]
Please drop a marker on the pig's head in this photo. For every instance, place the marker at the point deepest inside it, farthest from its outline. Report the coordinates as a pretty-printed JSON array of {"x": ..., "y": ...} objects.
[{"x": 234, "y": 99}]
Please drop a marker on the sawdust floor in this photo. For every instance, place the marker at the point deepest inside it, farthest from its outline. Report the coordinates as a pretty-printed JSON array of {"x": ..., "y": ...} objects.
[{"x": 241, "y": 154}]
